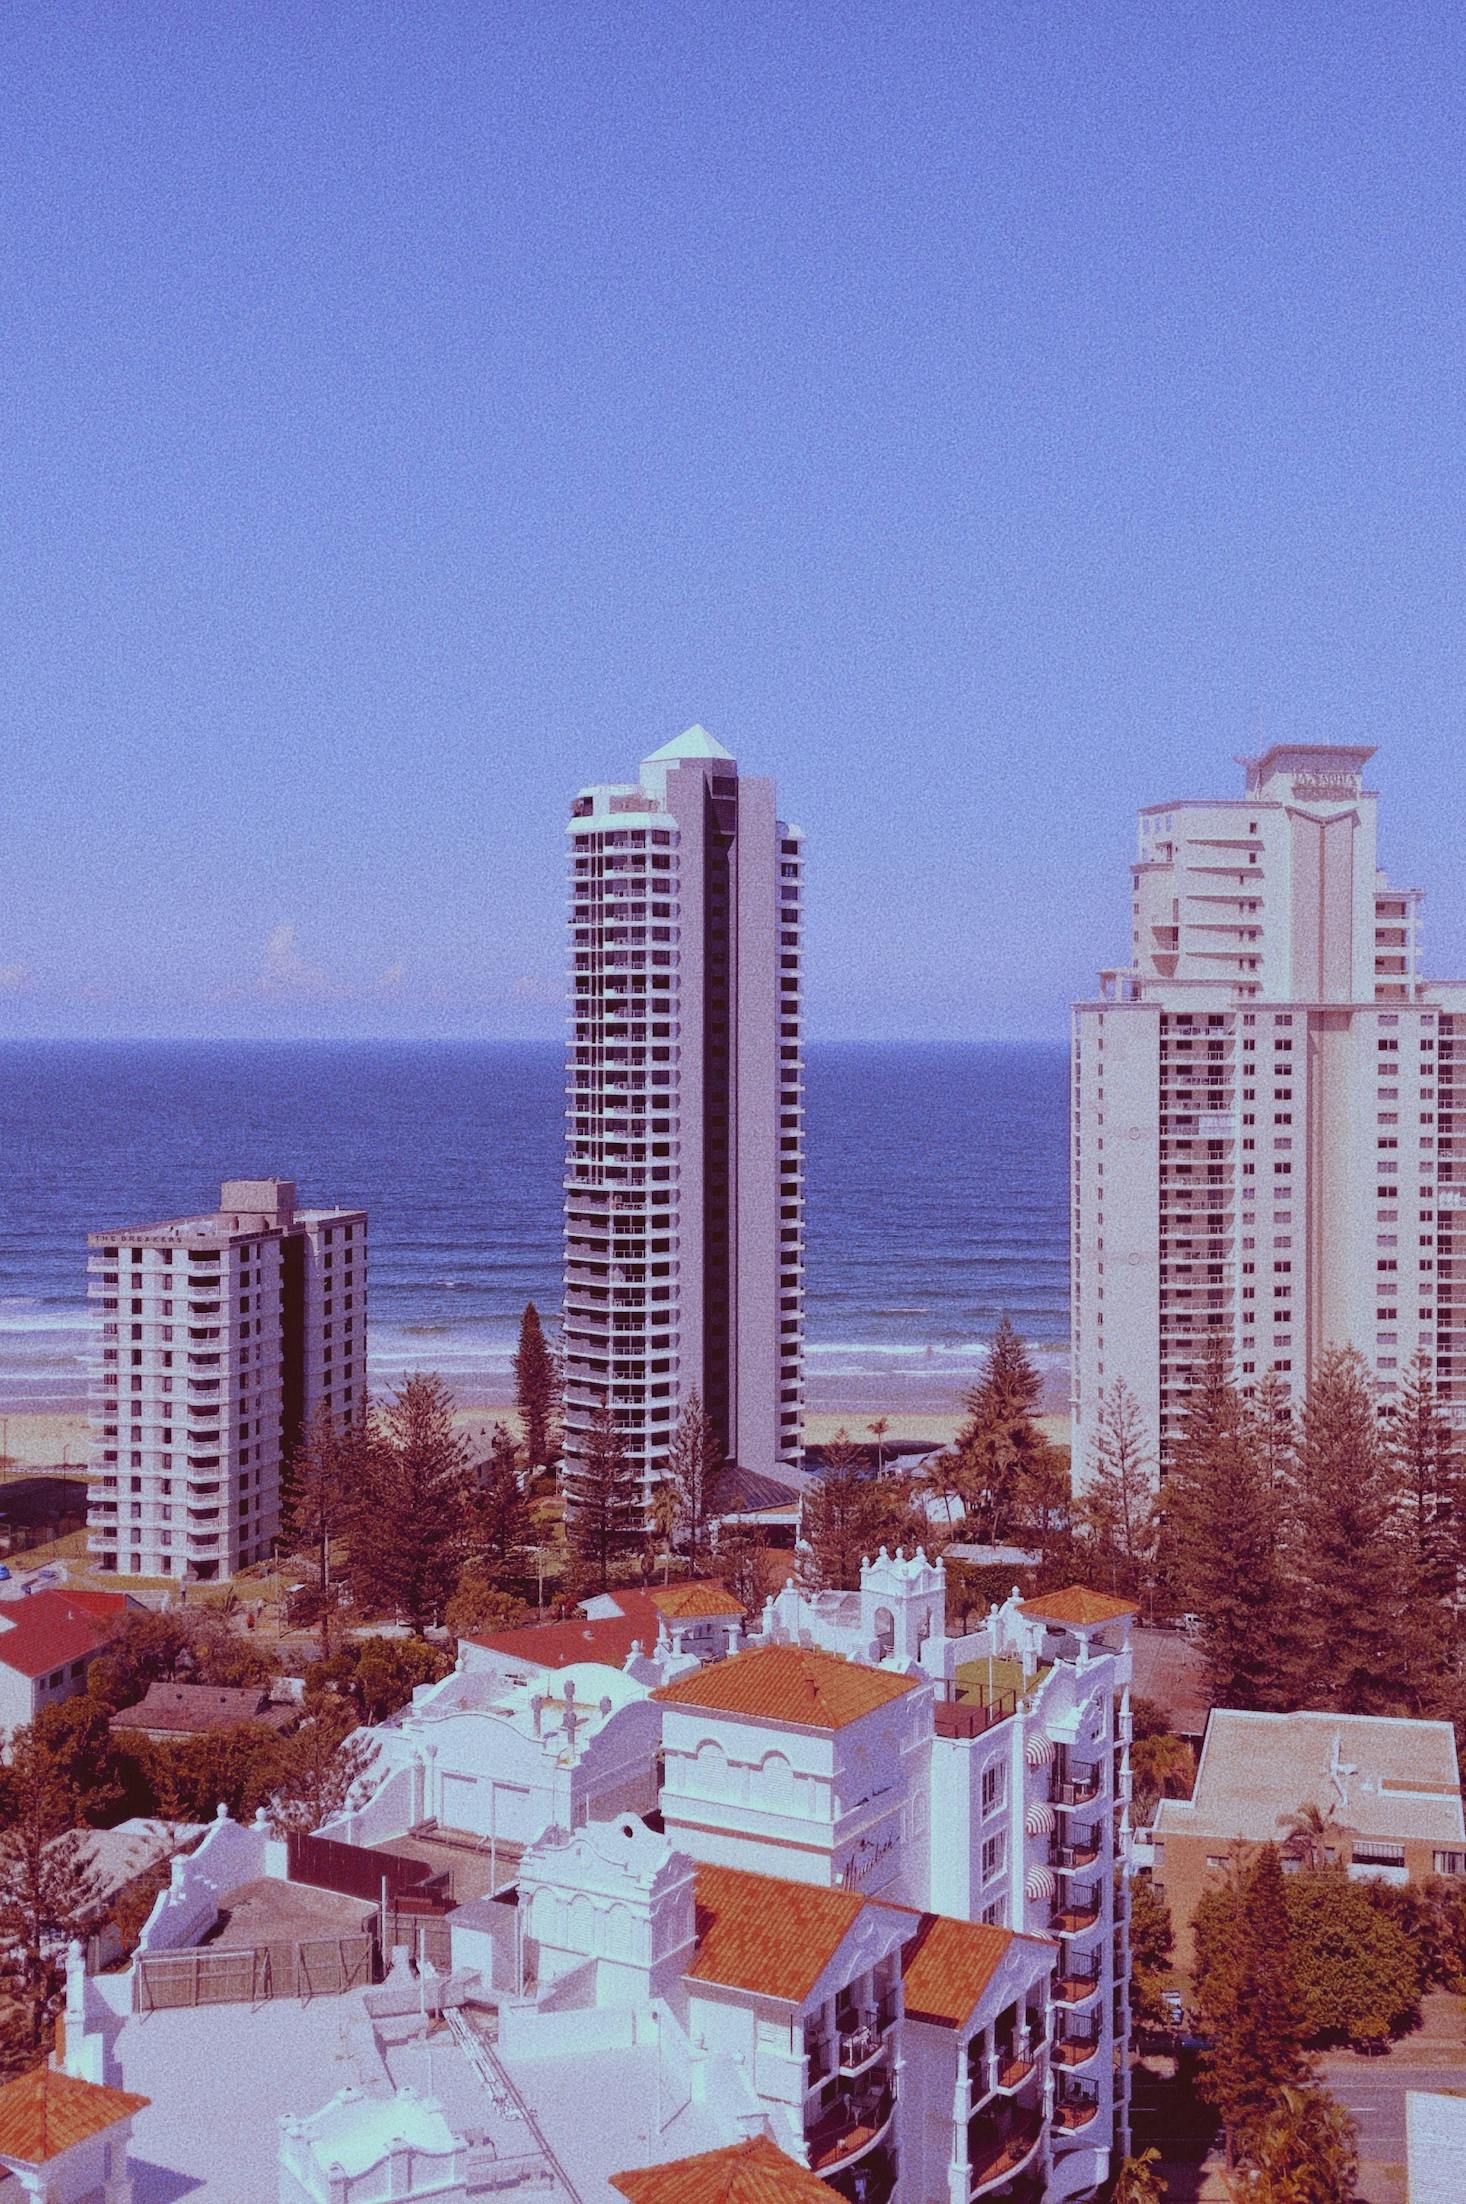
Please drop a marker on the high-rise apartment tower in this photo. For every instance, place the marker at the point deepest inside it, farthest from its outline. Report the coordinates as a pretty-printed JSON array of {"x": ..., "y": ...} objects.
[
  {"x": 684, "y": 1151},
  {"x": 1265, "y": 1108},
  {"x": 215, "y": 1341}
]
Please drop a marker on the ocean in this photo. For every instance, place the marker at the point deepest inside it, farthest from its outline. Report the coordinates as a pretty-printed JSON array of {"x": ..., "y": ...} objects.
[{"x": 936, "y": 1183}]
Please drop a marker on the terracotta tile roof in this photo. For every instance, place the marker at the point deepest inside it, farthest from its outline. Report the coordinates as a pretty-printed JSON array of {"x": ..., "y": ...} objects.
[
  {"x": 759, "y": 1932},
  {"x": 755, "y": 2172},
  {"x": 40, "y": 1631},
  {"x": 789, "y": 1683},
  {"x": 46, "y": 2112},
  {"x": 947, "y": 1966},
  {"x": 685, "y": 1602},
  {"x": 1079, "y": 1607}
]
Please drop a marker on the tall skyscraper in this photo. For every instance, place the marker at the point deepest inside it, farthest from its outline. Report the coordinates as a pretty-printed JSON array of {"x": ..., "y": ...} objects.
[
  {"x": 684, "y": 1152},
  {"x": 1264, "y": 1140},
  {"x": 216, "y": 1339}
]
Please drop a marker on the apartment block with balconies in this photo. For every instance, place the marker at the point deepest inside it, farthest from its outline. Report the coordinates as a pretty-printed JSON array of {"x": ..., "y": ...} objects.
[
  {"x": 214, "y": 1340},
  {"x": 1263, "y": 1144},
  {"x": 684, "y": 1112}
]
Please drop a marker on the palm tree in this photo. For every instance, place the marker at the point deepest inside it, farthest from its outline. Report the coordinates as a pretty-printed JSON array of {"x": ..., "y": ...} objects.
[
  {"x": 1304, "y": 2152},
  {"x": 1138, "y": 2182},
  {"x": 938, "y": 1478},
  {"x": 878, "y": 1431},
  {"x": 1308, "y": 1835}
]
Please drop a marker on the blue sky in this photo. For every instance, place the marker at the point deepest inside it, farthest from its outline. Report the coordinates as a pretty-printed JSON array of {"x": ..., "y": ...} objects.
[{"x": 987, "y": 415}]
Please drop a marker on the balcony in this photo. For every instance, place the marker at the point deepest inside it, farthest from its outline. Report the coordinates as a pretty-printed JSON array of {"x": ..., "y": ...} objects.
[
  {"x": 1075, "y": 2108},
  {"x": 1072, "y": 1859},
  {"x": 1080, "y": 1913},
  {"x": 856, "y": 2123},
  {"x": 1076, "y": 2047},
  {"x": 1079, "y": 1982},
  {"x": 1071, "y": 1792},
  {"x": 1000, "y": 2145},
  {"x": 1011, "y": 2066}
]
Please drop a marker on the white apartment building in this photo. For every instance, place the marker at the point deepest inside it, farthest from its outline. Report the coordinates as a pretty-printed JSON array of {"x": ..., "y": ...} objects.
[
  {"x": 215, "y": 1340},
  {"x": 1264, "y": 1142},
  {"x": 684, "y": 1149}
]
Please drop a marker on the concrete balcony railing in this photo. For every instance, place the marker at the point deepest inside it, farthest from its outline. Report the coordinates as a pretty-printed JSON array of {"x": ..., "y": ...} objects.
[
  {"x": 1079, "y": 1981},
  {"x": 1075, "y": 2108},
  {"x": 1079, "y": 1914},
  {"x": 998, "y": 2147},
  {"x": 855, "y": 2124}
]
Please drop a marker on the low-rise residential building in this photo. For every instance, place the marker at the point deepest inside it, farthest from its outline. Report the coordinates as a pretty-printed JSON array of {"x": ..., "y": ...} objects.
[
  {"x": 1385, "y": 1790},
  {"x": 48, "y": 1640},
  {"x": 169, "y": 1710}
]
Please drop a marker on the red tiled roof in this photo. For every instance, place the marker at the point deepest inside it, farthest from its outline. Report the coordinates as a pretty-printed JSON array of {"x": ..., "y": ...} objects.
[
  {"x": 789, "y": 1683},
  {"x": 47, "y": 1630},
  {"x": 947, "y": 1966},
  {"x": 562, "y": 1644},
  {"x": 686, "y": 1602},
  {"x": 755, "y": 2172},
  {"x": 46, "y": 2112},
  {"x": 1079, "y": 1607},
  {"x": 759, "y": 1932},
  {"x": 107, "y": 1605}
]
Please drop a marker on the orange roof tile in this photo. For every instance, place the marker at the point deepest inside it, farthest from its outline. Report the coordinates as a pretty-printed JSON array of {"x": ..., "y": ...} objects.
[
  {"x": 1078, "y": 1606},
  {"x": 759, "y": 1932},
  {"x": 46, "y": 2112},
  {"x": 789, "y": 1683},
  {"x": 756, "y": 2172},
  {"x": 685, "y": 1602},
  {"x": 947, "y": 1966}
]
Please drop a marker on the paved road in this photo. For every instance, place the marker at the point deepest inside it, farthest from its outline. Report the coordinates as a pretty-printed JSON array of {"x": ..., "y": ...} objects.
[{"x": 1373, "y": 2090}]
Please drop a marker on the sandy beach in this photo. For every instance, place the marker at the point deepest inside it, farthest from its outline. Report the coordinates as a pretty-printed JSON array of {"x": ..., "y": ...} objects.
[{"x": 35, "y": 1439}]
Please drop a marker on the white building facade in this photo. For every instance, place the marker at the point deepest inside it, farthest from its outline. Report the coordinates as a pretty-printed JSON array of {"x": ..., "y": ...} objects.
[
  {"x": 215, "y": 1340},
  {"x": 684, "y": 1148},
  {"x": 1264, "y": 1108}
]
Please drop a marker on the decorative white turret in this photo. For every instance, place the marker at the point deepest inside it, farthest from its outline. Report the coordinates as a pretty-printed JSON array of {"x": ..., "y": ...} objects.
[
  {"x": 903, "y": 1603},
  {"x": 616, "y": 1893}
]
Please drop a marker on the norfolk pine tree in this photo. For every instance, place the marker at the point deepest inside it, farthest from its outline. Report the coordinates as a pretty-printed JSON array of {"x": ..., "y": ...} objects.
[
  {"x": 603, "y": 1497},
  {"x": 1118, "y": 1506},
  {"x": 1345, "y": 1549},
  {"x": 322, "y": 1495},
  {"x": 692, "y": 1464},
  {"x": 501, "y": 1528},
  {"x": 1220, "y": 1538},
  {"x": 413, "y": 1505},
  {"x": 46, "y": 1894},
  {"x": 1000, "y": 1442},
  {"x": 848, "y": 1514},
  {"x": 536, "y": 1388},
  {"x": 1247, "y": 1995},
  {"x": 1423, "y": 1448}
]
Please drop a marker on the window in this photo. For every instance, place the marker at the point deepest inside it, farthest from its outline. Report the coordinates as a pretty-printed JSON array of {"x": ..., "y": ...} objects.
[
  {"x": 992, "y": 1788},
  {"x": 1450, "y": 1863},
  {"x": 1369, "y": 1852},
  {"x": 992, "y": 1857}
]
